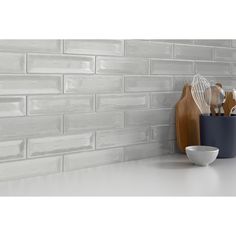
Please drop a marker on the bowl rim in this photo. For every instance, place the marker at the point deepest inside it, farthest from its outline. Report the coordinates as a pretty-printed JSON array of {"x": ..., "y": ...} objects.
[{"x": 191, "y": 148}]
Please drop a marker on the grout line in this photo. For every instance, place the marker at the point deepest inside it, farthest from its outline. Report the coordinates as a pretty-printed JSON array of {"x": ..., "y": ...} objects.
[
  {"x": 63, "y": 83},
  {"x": 26, "y": 63},
  {"x": 124, "y": 48},
  {"x": 63, "y": 124},
  {"x": 95, "y": 65},
  {"x": 123, "y": 84},
  {"x": 124, "y": 123},
  {"x": 26, "y": 148},
  {"x": 173, "y": 51},
  {"x": 149, "y": 66},
  {"x": 95, "y": 102},
  {"x": 63, "y": 163},
  {"x": 63, "y": 46},
  {"x": 95, "y": 140}
]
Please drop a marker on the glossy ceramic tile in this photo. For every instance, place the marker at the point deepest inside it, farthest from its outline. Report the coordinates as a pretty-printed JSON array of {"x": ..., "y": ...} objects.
[
  {"x": 12, "y": 63},
  {"x": 30, "y": 126},
  {"x": 60, "y": 144},
  {"x": 124, "y": 65},
  {"x": 95, "y": 47},
  {"x": 30, "y": 84},
  {"x": 214, "y": 42},
  {"x": 12, "y": 106},
  {"x": 46, "y": 63},
  {"x": 27, "y": 168},
  {"x": 93, "y": 158},
  {"x": 19, "y": 45},
  {"x": 121, "y": 137},
  {"x": 12, "y": 150},
  {"x": 121, "y": 102},
  {"x": 93, "y": 121},
  {"x": 213, "y": 68},
  {"x": 164, "y": 100},
  {"x": 148, "y": 150},
  {"x": 171, "y": 67},
  {"x": 59, "y": 104},
  {"x": 84, "y": 84},
  {"x": 145, "y": 48},
  {"x": 149, "y": 117},
  {"x": 148, "y": 83},
  {"x": 193, "y": 52},
  {"x": 225, "y": 54}
]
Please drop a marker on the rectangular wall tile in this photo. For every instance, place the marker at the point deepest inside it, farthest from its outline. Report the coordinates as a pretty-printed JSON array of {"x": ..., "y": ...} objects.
[
  {"x": 59, "y": 104},
  {"x": 12, "y": 63},
  {"x": 60, "y": 144},
  {"x": 214, "y": 42},
  {"x": 213, "y": 68},
  {"x": 33, "y": 84},
  {"x": 124, "y": 65},
  {"x": 93, "y": 121},
  {"x": 162, "y": 133},
  {"x": 121, "y": 137},
  {"x": 149, "y": 117},
  {"x": 171, "y": 67},
  {"x": 28, "y": 168},
  {"x": 92, "y": 84},
  {"x": 21, "y": 45},
  {"x": 193, "y": 52},
  {"x": 148, "y": 150},
  {"x": 234, "y": 43},
  {"x": 94, "y": 158},
  {"x": 12, "y": 106},
  {"x": 30, "y": 126},
  {"x": 164, "y": 100},
  {"x": 148, "y": 83},
  {"x": 121, "y": 102},
  {"x": 145, "y": 48},
  {"x": 95, "y": 47},
  {"x": 12, "y": 150},
  {"x": 45, "y": 63},
  {"x": 225, "y": 54},
  {"x": 234, "y": 69}
]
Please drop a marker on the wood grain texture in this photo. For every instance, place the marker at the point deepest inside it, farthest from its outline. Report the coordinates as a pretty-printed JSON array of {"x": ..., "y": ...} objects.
[
  {"x": 187, "y": 120},
  {"x": 229, "y": 103}
]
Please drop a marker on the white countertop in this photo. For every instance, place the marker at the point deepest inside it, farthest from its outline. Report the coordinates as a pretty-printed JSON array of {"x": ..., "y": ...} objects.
[{"x": 171, "y": 175}]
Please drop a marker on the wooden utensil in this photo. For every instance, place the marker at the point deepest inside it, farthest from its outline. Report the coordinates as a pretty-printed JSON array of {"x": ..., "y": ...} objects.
[
  {"x": 216, "y": 99},
  {"x": 229, "y": 103},
  {"x": 187, "y": 120}
]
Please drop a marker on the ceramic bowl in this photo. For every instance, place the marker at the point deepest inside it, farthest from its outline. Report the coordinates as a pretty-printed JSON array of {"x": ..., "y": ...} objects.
[{"x": 202, "y": 155}]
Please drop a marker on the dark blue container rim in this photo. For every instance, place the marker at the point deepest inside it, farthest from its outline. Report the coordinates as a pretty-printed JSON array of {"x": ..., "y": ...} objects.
[{"x": 233, "y": 116}]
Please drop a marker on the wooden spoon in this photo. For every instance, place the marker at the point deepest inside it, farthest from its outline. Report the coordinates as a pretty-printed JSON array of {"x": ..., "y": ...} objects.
[{"x": 230, "y": 102}]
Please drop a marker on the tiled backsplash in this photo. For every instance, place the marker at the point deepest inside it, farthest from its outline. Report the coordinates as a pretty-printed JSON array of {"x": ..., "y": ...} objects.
[{"x": 71, "y": 104}]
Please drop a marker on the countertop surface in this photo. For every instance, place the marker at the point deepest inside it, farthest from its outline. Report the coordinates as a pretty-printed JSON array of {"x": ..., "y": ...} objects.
[{"x": 171, "y": 175}]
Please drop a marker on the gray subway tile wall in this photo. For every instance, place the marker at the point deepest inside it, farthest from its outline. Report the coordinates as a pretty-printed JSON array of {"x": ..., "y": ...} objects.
[{"x": 72, "y": 104}]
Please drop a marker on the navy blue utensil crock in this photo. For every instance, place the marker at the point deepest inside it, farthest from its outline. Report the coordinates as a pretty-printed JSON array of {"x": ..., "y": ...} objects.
[{"x": 219, "y": 131}]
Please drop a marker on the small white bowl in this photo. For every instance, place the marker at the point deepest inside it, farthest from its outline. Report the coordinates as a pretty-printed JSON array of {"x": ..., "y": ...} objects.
[{"x": 202, "y": 155}]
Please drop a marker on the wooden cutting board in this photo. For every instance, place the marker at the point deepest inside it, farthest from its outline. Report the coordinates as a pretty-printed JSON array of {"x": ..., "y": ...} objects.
[{"x": 187, "y": 120}]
